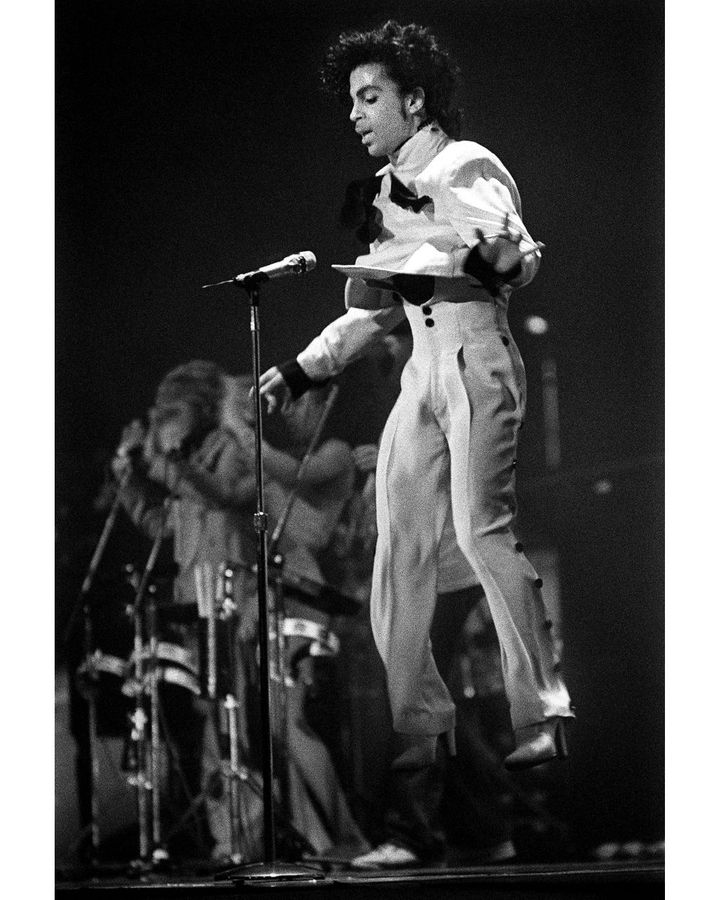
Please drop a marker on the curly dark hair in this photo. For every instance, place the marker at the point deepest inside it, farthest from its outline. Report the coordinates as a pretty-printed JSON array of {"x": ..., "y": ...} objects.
[{"x": 411, "y": 57}]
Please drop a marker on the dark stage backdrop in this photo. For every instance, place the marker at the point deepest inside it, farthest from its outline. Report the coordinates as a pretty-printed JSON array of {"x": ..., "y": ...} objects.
[{"x": 193, "y": 143}]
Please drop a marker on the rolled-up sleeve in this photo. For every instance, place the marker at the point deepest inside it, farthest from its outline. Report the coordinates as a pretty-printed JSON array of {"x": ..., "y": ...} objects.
[
  {"x": 478, "y": 193},
  {"x": 347, "y": 339}
]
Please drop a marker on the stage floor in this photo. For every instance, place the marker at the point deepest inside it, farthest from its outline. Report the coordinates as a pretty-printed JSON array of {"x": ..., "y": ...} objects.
[{"x": 641, "y": 879}]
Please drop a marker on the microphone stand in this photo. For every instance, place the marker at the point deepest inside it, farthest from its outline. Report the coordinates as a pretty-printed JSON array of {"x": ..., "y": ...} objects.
[
  {"x": 83, "y": 603},
  {"x": 270, "y": 871}
]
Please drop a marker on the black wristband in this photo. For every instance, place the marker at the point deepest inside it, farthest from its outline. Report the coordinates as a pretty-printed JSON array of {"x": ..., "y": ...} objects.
[
  {"x": 491, "y": 280},
  {"x": 296, "y": 379}
]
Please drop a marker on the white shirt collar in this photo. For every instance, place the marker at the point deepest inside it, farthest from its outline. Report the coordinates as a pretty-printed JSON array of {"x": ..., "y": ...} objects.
[{"x": 418, "y": 151}]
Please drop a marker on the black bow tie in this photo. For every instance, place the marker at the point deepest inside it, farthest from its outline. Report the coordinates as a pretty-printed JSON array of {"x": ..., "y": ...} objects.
[
  {"x": 404, "y": 197},
  {"x": 360, "y": 213}
]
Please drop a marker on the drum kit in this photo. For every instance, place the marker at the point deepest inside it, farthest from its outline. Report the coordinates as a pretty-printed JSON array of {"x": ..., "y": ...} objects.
[
  {"x": 150, "y": 669},
  {"x": 159, "y": 664}
]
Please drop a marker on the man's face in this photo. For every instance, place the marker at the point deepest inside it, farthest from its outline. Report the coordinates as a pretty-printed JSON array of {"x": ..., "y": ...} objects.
[
  {"x": 172, "y": 424},
  {"x": 380, "y": 113}
]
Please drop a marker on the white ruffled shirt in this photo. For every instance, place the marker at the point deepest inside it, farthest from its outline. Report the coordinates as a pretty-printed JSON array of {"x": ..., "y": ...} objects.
[{"x": 469, "y": 189}]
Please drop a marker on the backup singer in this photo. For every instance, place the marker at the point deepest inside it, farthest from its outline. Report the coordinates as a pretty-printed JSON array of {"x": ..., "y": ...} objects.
[
  {"x": 190, "y": 480},
  {"x": 447, "y": 246}
]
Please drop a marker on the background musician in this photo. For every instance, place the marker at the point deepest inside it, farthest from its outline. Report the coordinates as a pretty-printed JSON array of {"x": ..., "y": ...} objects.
[
  {"x": 318, "y": 481},
  {"x": 189, "y": 479}
]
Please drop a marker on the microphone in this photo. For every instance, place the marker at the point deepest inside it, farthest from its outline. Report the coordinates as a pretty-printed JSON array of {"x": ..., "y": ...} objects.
[
  {"x": 131, "y": 444},
  {"x": 295, "y": 264}
]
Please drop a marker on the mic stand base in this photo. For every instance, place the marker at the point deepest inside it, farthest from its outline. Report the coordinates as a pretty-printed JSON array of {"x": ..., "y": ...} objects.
[{"x": 273, "y": 873}]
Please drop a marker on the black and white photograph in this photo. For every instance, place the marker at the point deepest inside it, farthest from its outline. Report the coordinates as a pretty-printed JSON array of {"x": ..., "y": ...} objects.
[{"x": 358, "y": 426}]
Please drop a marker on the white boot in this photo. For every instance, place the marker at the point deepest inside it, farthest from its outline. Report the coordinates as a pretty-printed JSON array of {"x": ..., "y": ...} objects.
[{"x": 538, "y": 743}]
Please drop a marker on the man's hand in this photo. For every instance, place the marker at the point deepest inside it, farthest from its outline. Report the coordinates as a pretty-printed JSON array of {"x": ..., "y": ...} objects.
[
  {"x": 274, "y": 390},
  {"x": 130, "y": 447},
  {"x": 502, "y": 251}
]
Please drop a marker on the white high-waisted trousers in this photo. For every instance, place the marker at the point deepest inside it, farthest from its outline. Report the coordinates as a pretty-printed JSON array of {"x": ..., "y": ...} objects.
[{"x": 448, "y": 449}]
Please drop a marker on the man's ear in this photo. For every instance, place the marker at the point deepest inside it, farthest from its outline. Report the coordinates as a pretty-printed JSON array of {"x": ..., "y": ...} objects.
[{"x": 415, "y": 101}]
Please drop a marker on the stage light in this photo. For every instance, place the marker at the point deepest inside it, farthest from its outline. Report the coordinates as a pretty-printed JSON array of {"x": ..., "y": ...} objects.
[{"x": 536, "y": 325}]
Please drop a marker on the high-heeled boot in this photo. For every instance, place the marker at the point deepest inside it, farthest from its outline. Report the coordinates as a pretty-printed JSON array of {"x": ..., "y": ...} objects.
[{"x": 538, "y": 743}]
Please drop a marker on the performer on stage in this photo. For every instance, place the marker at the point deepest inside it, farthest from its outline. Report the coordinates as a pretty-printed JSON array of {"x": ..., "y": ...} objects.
[
  {"x": 447, "y": 246},
  {"x": 468, "y": 786},
  {"x": 190, "y": 478},
  {"x": 317, "y": 802}
]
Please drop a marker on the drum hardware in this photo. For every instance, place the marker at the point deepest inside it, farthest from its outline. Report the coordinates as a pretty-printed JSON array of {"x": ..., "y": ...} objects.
[
  {"x": 236, "y": 773},
  {"x": 89, "y": 670},
  {"x": 217, "y": 609},
  {"x": 315, "y": 640},
  {"x": 321, "y": 596},
  {"x": 227, "y": 603},
  {"x": 206, "y": 586},
  {"x": 215, "y": 589},
  {"x": 174, "y": 665},
  {"x": 323, "y": 641},
  {"x": 92, "y": 662},
  {"x": 225, "y": 608},
  {"x": 137, "y": 777},
  {"x": 146, "y": 682}
]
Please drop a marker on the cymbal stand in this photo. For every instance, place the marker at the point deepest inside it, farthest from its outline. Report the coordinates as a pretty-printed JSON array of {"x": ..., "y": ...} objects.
[
  {"x": 83, "y": 603},
  {"x": 225, "y": 607},
  {"x": 148, "y": 753}
]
